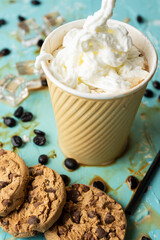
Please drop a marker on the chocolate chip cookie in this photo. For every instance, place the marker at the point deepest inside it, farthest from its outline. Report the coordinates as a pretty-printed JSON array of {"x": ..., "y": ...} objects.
[
  {"x": 14, "y": 176},
  {"x": 43, "y": 206},
  {"x": 89, "y": 214}
]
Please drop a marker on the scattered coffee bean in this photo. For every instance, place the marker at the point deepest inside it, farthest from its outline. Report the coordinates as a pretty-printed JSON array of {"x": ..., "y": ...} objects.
[
  {"x": 35, "y": 2},
  {"x": 132, "y": 182},
  {"x": 145, "y": 238},
  {"x": 18, "y": 113},
  {"x": 21, "y": 18},
  {"x": 140, "y": 19},
  {"x": 9, "y": 122},
  {"x": 44, "y": 83},
  {"x": 66, "y": 179},
  {"x": 26, "y": 116},
  {"x": 98, "y": 184},
  {"x": 40, "y": 42},
  {"x": 156, "y": 84},
  {"x": 16, "y": 141},
  {"x": 2, "y": 22},
  {"x": 39, "y": 132},
  {"x": 39, "y": 140},
  {"x": 43, "y": 159},
  {"x": 71, "y": 163},
  {"x": 148, "y": 93},
  {"x": 4, "y": 52}
]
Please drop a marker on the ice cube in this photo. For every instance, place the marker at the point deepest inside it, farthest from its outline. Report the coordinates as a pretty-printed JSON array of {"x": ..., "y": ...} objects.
[
  {"x": 32, "y": 78},
  {"x": 26, "y": 67},
  {"x": 52, "y": 20},
  {"x": 13, "y": 89},
  {"x": 29, "y": 32}
]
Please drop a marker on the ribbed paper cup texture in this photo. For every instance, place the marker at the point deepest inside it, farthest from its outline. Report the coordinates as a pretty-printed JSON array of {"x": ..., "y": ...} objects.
[{"x": 94, "y": 128}]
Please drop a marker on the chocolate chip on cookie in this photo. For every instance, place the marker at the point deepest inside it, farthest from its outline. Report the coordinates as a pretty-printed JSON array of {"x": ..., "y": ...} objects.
[
  {"x": 109, "y": 218},
  {"x": 75, "y": 216},
  {"x": 33, "y": 220},
  {"x": 43, "y": 205},
  {"x": 88, "y": 236},
  {"x": 14, "y": 176},
  {"x": 101, "y": 233},
  {"x": 73, "y": 195},
  {"x": 89, "y": 214}
]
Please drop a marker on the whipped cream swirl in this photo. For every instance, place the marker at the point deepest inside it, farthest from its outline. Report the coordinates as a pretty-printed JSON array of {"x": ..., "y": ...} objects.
[{"x": 100, "y": 57}]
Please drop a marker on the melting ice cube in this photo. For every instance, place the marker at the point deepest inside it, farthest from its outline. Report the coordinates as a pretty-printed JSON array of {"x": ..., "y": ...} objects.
[
  {"x": 52, "y": 20},
  {"x": 29, "y": 32},
  {"x": 13, "y": 89}
]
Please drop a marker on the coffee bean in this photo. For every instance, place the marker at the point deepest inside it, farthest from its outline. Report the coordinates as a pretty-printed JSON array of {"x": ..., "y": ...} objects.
[
  {"x": 132, "y": 182},
  {"x": 75, "y": 216},
  {"x": 26, "y": 116},
  {"x": 92, "y": 214},
  {"x": 18, "y": 113},
  {"x": 99, "y": 185},
  {"x": 16, "y": 141},
  {"x": 3, "y": 184},
  {"x": 66, "y": 179},
  {"x": 40, "y": 42},
  {"x": 148, "y": 93},
  {"x": 44, "y": 83},
  {"x": 4, "y": 52},
  {"x": 88, "y": 236},
  {"x": 73, "y": 195},
  {"x": 71, "y": 163},
  {"x": 43, "y": 159},
  {"x": 145, "y": 238},
  {"x": 2, "y": 22},
  {"x": 33, "y": 220},
  {"x": 140, "y": 19},
  {"x": 109, "y": 218},
  {"x": 9, "y": 122},
  {"x": 21, "y": 18},
  {"x": 39, "y": 140},
  {"x": 101, "y": 233},
  {"x": 156, "y": 84},
  {"x": 39, "y": 132},
  {"x": 35, "y": 2}
]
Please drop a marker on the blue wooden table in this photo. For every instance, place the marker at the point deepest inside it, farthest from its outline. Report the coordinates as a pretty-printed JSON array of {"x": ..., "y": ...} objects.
[{"x": 144, "y": 141}]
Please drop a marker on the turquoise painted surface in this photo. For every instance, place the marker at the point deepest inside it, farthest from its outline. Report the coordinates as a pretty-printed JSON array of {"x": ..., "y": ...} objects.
[{"x": 145, "y": 134}]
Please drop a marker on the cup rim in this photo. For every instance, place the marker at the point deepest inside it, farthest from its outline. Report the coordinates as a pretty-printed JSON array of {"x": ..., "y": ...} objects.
[{"x": 92, "y": 95}]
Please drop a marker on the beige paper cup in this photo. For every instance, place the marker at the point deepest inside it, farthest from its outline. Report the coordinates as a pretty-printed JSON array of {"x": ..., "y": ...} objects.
[{"x": 93, "y": 128}]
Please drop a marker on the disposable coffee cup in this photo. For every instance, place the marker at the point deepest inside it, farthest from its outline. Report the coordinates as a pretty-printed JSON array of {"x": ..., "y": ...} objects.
[{"x": 94, "y": 128}]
